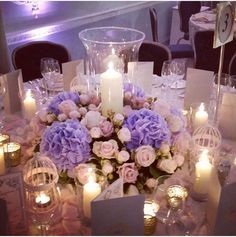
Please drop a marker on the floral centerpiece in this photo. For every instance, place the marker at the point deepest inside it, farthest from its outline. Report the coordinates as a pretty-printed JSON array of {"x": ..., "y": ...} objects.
[{"x": 149, "y": 139}]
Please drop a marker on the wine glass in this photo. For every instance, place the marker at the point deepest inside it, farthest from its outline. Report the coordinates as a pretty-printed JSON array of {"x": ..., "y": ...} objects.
[
  {"x": 2, "y": 93},
  {"x": 50, "y": 70},
  {"x": 178, "y": 68},
  {"x": 166, "y": 74}
]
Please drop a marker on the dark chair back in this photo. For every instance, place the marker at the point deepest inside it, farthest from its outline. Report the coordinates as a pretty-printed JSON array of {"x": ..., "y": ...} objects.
[
  {"x": 186, "y": 10},
  {"x": 27, "y": 57},
  {"x": 154, "y": 52},
  {"x": 154, "y": 24},
  {"x": 232, "y": 65},
  {"x": 207, "y": 57}
]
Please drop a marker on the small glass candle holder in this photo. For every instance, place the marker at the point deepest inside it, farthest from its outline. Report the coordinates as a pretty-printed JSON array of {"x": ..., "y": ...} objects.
[
  {"x": 199, "y": 115},
  {"x": 12, "y": 154},
  {"x": 150, "y": 209},
  {"x": 4, "y": 138}
]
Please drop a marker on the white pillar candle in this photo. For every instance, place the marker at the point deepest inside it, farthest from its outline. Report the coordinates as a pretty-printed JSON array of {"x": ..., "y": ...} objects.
[
  {"x": 201, "y": 116},
  {"x": 203, "y": 170},
  {"x": 2, "y": 161},
  {"x": 90, "y": 191},
  {"x": 111, "y": 87},
  {"x": 29, "y": 105}
]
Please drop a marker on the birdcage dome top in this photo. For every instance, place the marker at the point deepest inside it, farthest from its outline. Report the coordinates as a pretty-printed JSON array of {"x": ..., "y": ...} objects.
[
  {"x": 40, "y": 173},
  {"x": 207, "y": 136}
]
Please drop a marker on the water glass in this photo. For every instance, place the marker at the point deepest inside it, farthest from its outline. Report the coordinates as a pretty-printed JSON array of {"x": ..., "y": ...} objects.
[{"x": 232, "y": 83}]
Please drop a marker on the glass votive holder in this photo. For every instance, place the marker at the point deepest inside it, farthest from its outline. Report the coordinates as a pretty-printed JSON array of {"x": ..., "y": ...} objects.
[
  {"x": 12, "y": 154},
  {"x": 150, "y": 209},
  {"x": 198, "y": 115},
  {"x": 4, "y": 138}
]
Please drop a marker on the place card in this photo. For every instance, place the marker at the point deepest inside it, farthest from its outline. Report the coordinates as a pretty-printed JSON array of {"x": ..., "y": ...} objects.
[
  {"x": 118, "y": 216},
  {"x": 221, "y": 207},
  {"x": 11, "y": 101},
  {"x": 227, "y": 116},
  {"x": 113, "y": 214},
  {"x": 199, "y": 85},
  {"x": 141, "y": 74},
  {"x": 70, "y": 70}
]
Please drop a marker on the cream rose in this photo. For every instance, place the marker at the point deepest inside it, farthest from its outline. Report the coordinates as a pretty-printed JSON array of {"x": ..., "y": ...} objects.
[
  {"x": 123, "y": 156},
  {"x": 145, "y": 155},
  {"x": 107, "y": 167},
  {"x": 151, "y": 183},
  {"x": 124, "y": 135},
  {"x": 167, "y": 165},
  {"x": 95, "y": 132},
  {"x": 107, "y": 149},
  {"x": 164, "y": 148}
]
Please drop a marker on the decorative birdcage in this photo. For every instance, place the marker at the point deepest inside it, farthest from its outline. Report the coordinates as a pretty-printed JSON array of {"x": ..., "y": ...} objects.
[
  {"x": 207, "y": 137},
  {"x": 42, "y": 195}
]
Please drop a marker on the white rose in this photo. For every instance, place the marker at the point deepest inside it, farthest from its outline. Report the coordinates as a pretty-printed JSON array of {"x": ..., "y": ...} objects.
[
  {"x": 164, "y": 148},
  {"x": 162, "y": 108},
  {"x": 62, "y": 117},
  {"x": 175, "y": 124},
  {"x": 151, "y": 183},
  {"x": 95, "y": 132},
  {"x": 145, "y": 155},
  {"x": 124, "y": 135},
  {"x": 107, "y": 168},
  {"x": 132, "y": 190},
  {"x": 123, "y": 156},
  {"x": 92, "y": 119},
  {"x": 43, "y": 115},
  {"x": 167, "y": 165},
  {"x": 118, "y": 118},
  {"x": 179, "y": 159}
]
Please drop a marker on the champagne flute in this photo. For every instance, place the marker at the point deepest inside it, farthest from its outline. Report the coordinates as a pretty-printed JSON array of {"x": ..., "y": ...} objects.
[{"x": 50, "y": 69}]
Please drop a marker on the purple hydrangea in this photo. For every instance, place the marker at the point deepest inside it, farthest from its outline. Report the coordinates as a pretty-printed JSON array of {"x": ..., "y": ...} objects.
[
  {"x": 53, "y": 106},
  {"x": 129, "y": 87},
  {"x": 66, "y": 143},
  {"x": 147, "y": 128}
]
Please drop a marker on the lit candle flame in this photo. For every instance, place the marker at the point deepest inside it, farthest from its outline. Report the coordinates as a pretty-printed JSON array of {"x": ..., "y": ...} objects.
[
  {"x": 201, "y": 107},
  {"x": 110, "y": 65},
  {"x": 204, "y": 156}
]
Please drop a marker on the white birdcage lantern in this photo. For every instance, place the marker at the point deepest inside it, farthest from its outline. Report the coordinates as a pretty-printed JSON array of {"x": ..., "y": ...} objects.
[
  {"x": 42, "y": 195},
  {"x": 207, "y": 137}
]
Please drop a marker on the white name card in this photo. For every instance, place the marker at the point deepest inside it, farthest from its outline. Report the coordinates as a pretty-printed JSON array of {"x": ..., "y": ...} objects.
[
  {"x": 14, "y": 89},
  {"x": 199, "y": 85},
  {"x": 141, "y": 74},
  {"x": 70, "y": 70},
  {"x": 227, "y": 116},
  {"x": 221, "y": 207}
]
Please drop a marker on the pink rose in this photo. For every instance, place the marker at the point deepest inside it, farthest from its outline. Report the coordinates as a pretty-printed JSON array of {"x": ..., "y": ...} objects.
[
  {"x": 82, "y": 111},
  {"x": 107, "y": 149},
  {"x": 61, "y": 117},
  {"x": 74, "y": 114},
  {"x": 123, "y": 156},
  {"x": 124, "y": 135},
  {"x": 93, "y": 107},
  {"x": 95, "y": 99},
  {"x": 106, "y": 128},
  {"x": 129, "y": 172},
  {"x": 127, "y": 110},
  {"x": 118, "y": 119},
  {"x": 145, "y": 155},
  {"x": 151, "y": 183},
  {"x": 81, "y": 172},
  {"x": 164, "y": 148},
  {"x": 67, "y": 106}
]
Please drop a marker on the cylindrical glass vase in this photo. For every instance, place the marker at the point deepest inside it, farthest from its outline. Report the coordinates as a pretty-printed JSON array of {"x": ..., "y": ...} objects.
[{"x": 110, "y": 44}]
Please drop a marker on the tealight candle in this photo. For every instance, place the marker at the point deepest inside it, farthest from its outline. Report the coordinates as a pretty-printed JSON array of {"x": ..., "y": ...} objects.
[
  {"x": 111, "y": 88},
  {"x": 29, "y": 105},
  {"x": 203, "y": 170},
  {"x": 2, "y": 161},
  {"x": 12, "y": 153},
  {"x": 4, "y": 138},
  {"x": 90, "y": 191},
  {"x": 42, "y": 200},
  {"x": 201, "y": 116},
  {"x": 150, "y": 209}
]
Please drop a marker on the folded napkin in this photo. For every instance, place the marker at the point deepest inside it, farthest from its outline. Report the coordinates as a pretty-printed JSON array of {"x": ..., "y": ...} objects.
[{"x": 204, "y": 17}]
